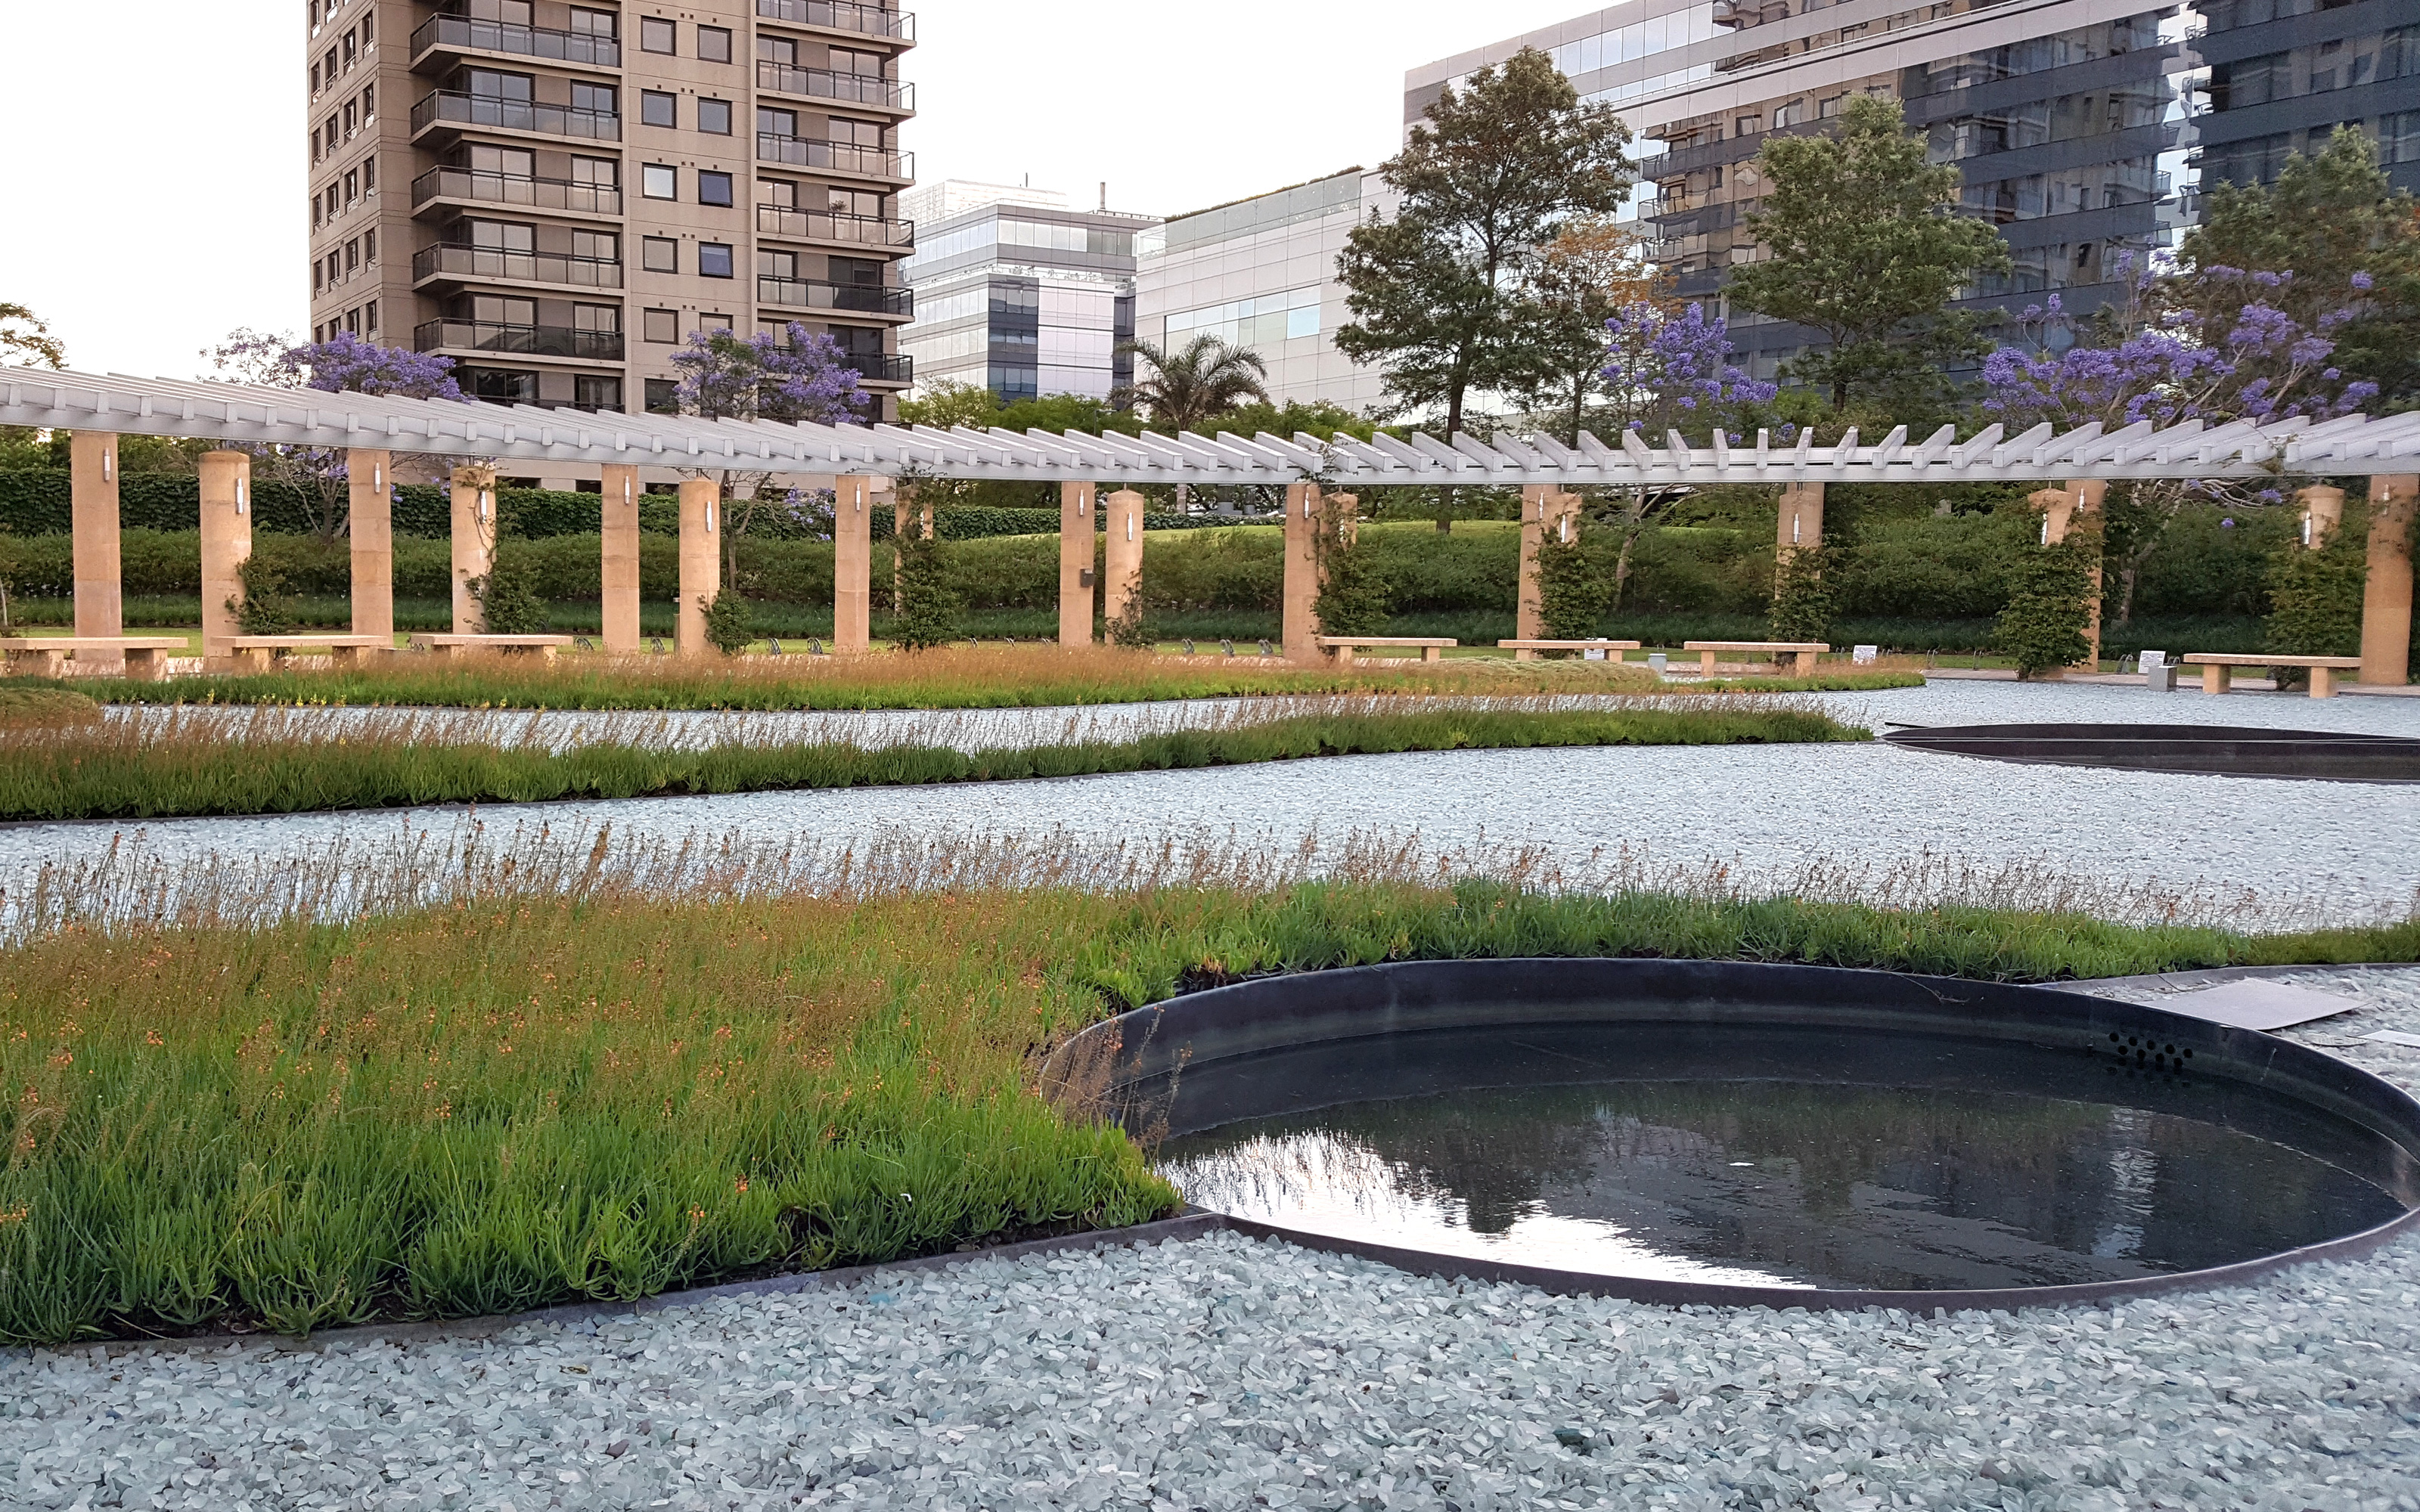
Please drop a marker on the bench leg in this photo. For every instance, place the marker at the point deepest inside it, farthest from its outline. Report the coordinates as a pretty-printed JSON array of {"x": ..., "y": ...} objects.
[
  {"x": 547, "y": 653},
  {"x": 1706, "y": 665},
  {"x": 1432, "y": 652},
  {"x": 146, "y": 665},
  {"x": 1525, "y": 654},
  {"x": 1343, "y": 655},
  {"x": 38, "y": 663},
  {"x": 2214, "y": 679},
  {"x": 1803, "y": 663},
  {"x": 2323, "y": 682}
]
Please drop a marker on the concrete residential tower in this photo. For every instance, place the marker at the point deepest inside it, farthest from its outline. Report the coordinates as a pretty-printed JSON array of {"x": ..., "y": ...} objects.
[{"x": 556, "y": 195}]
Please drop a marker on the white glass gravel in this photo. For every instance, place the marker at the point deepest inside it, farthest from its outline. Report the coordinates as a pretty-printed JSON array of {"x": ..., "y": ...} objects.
[{"x": 1230, "y": 1374}]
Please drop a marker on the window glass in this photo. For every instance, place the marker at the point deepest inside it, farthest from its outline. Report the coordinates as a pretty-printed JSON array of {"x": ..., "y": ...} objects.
[
  {"x": 658, "y": 180},
  {"x": 661, "y": 254},
  {"x": 663, "y": 395},
  {"x": 596, "y": 318},
  {"x": 713, "y": 188},
  {"x": 710, "y": 321},
  {"x": 604, "y": 173},
  {"x": 661, "y": 326},
  {"x": 714, "y": 43},
  {"x": 714, "y": 116},
  {"x": 605, "y": 246},
  {"x": 777, "y": 122},
  {"x": 601, "y": 98},
  {"x": 778, "y": 193},
  {"x": 594, "y": 24},
  {"x": 777, "y": 49},
  {"x": 714, "y": 259},
  {"x": 655, "y": 35},
  {"x": 656, "y": 108}
]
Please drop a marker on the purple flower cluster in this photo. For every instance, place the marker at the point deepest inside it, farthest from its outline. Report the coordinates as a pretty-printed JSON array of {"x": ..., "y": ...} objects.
[
  {"x": 1672, "y": 365},
  {"x": 795, "y": 377},
  {"x": 346, "y": 363}
]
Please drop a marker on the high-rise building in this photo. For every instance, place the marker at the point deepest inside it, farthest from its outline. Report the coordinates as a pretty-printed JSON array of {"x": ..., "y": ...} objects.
[
  {"x": 556, "y": 195},
  {"x": 1019, "y": 294},
  {"x": 2282, "y": 74},
  {"x": 1261, "y": 274}
]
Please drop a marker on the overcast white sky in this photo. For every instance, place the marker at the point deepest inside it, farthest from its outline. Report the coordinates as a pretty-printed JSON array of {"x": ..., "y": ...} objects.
[{"x": 155, "y": 194}]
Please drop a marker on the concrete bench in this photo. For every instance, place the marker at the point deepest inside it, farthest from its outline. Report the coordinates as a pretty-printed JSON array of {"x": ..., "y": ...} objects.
[
  {"x": 46, "y": 655},
  {"x": 1527, "y": 650},
  {"x": 1431, "y": 648},
  {"x": 2216, "y": 669},
  {"x": 261, "y": 652},
  {"x": 544, "y": 646},
  {"x": 1801, "y": 652}
]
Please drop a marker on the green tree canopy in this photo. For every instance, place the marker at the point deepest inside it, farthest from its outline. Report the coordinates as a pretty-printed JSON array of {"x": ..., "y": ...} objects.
[
  {"x": 1864, "y": 243},
  {"x": 1205, "y": 376},
  {"x": 24, "y": 338},
  {"x": 1497, "y": 172}
]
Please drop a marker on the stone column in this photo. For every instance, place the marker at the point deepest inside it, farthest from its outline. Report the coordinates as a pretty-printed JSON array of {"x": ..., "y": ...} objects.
[
  {"x": 369, "y": 480},
  {"x": 100, "y": 591},
  {"x": 1075, "y": 557},
  {"x": 1121, "y": 518},
  {"x": 2386, "y": 602},
  {"x": 2322, "y": 512},
  {"x": 700, "y": 563},
  {"x": 471, "y": 492},
  {"x": 1543, "y": 512},
  {"x": 226, "y": 546},
  {"x": 619, "y": 563},
  {"x": 1299, "y": 621},
  {"x": 1801, "y": 520},
  {"x": 852, "y": 563}
]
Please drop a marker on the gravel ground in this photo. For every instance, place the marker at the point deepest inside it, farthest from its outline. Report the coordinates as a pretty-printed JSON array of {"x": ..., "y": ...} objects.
[{"x": 1226, "y": 1373}]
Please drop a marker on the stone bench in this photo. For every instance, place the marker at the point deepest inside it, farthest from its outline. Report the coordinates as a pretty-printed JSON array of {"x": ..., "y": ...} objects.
[
  {"x": 2217, "y": 668},
  {"x": 544, "y": 646},
  {"x": 46, "y": 655},
  {"x": 261, "y": 652},
  {"x": 1527, "y": 650},
  {"x": 1801, "y": 652},
  {"x": 1431, "y": 648}
]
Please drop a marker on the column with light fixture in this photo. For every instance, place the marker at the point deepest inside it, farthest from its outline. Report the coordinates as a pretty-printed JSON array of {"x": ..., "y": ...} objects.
[
  {"x": 621, "y": 560},
  {"x": 1122, "y": 560},
  {"x": 99, "y": 596},
  {"x": 226, "y": 546},
  {"x": 471, "y": 492},
  {"x": 700, "y": 563},
  {"x": 370, "y": 525},
  {"x": 852, "y": 566},
  {"x": 1076, "y": 563}
]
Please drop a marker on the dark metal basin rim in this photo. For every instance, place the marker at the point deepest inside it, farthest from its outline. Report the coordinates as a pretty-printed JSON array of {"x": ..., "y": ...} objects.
[
  {"x": 2222, "y": 751},
  {"x": 1143, "y": 1057}
]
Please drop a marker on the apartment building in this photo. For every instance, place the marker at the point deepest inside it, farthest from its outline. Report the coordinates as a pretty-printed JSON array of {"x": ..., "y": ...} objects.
[
  {"x": 2282, "y": 74},
  {"x": 1017, "y": 293},
  {"x": 1261, "y": 274},
  {"x": 556, "y": 195}
]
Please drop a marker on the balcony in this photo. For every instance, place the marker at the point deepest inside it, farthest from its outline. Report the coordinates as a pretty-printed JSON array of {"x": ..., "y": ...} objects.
[
  {"x": 518, "y": 341},
  {"x": 451, "y": 108},
  {"x": 823, "y": 83},
  {"x": 880, "y": 367},
  {"x": 840, "y": 15},
  {"x": 836, "y": 157},
  {"x": 809, "y": 294},
  {"x": 488, "y": 187},
  {"x": 449, "y": 260},
  {"x": 823, "y": 226},
  {"x": 460, "y": 33}
]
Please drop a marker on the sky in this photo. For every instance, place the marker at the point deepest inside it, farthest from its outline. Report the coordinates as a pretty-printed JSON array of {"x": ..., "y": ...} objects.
[{"x": 155, "y": 193}]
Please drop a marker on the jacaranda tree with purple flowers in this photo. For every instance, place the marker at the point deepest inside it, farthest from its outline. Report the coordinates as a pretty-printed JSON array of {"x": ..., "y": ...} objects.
[
  {"x": 797, "y": 378},
  {"x": 344, "y": 364},
  {"x": 1667, "y": 369}
]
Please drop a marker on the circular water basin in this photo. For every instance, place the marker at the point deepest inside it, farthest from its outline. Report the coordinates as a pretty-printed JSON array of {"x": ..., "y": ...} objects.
[{"x": 1716, "y": 1132}]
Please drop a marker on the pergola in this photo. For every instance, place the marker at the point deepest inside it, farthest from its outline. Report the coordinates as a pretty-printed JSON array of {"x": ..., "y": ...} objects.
[{"x": 871, "y": 462}]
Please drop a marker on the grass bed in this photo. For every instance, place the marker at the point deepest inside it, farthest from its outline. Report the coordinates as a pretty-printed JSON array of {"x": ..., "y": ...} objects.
[
  {"x": 514, "y": 1102},
  {"x": 192, "y": 765}
]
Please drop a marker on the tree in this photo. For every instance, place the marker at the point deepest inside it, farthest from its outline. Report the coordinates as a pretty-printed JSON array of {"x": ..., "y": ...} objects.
[
  {"x": 1864, "y": 244},
  {"x": 1206, "y": 377},
  {"x": 794, "y": 378},
  {"x": 1587, "y": 275},
  {"x": 24, "y": 338},
  {"x": 1495, "y": 173},
  {"x": 2329, "y": 220},
  {"x": 346, "y": 362}
]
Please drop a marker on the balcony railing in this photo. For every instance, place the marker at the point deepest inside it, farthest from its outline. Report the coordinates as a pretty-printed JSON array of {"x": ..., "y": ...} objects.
[
  {"x": 519, "y": 340},
  {"x": 448, "y": 260},
  {"x": 527, "y": 41},
  {"x": 840, "y": 15},
  {"x": 811, "y": 294},
  {"x": 823, "y": 83},
  {"x": 881, "y": 367},
  {"x": 823, "y": 226},
  {"x": 834, "y": 157},
  {"x": 457, "y": 109},
  {"x": 489, "y": 187}
]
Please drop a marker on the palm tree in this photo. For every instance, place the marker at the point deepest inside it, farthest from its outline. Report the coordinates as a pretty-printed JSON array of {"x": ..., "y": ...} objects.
[{"x": 1207, "y": 377}]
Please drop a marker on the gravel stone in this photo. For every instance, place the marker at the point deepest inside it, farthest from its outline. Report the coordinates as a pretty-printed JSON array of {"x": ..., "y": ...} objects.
[{"x": 1227, "y": 1373}]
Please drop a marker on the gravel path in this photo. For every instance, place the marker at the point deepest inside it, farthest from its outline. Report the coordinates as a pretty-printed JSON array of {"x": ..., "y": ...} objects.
[{"x": 1230, "y": 1374}]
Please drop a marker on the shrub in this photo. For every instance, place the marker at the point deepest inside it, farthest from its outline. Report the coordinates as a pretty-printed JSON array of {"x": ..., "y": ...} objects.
[
  {"x": 1354, "y": 595},
  {"x": 1574, "y": 588},
  {"x": 929, "y": 605},
  {"x": 262, "y": 606},
  {"x": 1801, "y": 596},
  {"x": 508, "y": 604},
  {"x": 730, "y": 623},
  {"x": 2043, "y": 626}
]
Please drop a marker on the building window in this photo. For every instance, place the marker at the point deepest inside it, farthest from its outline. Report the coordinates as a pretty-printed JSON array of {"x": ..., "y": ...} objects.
[
  {"x": 317, "y": 213},
  {"x": 353, "y": 187},
  {"x": 369, "y": 317},
  {"x": 600, "y": 246},
  {"x": 659, "y": 180},
  {"x": 596, "y": 99},
  {"x": 500, "y": 384},
  {"x": 714, "y": 43},
  {"x": 600, "y": 317},
  {"x": 369, "y": 103},
  {"x": 655, "y": 35},
  {"x": 348, "y": 118},
  {"x": 864, "y": 65},
  {"x": 714, "y": 116},
  {"x": 369, "y": 30},
  {"x": 714, "y": 322},
  {"x": 656, "y": 108},
  {"x": 353, "y": 322},
  {"x": 713, "y": 188},
  {"x": 353, "y": 255},
  {"x": 602, "y": 23},
  {"x": 315, "y": 79},
  {"x": 317, "y": 280},
  {"x": 370, "y": 246},
  {"x": 594, "y": 390},
  {"x": 714, "y": 259},
  {"x": 664, "y": 396},
  {"x": 659, "y": 326},
  {"x": 369, "y": 177},
  {"x": 659, "y": 255},
  {"x": 1790, "y": 113}
]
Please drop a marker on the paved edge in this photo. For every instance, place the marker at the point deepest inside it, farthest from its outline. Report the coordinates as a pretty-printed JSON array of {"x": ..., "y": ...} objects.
[{"x": 2177, "y": 981}]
